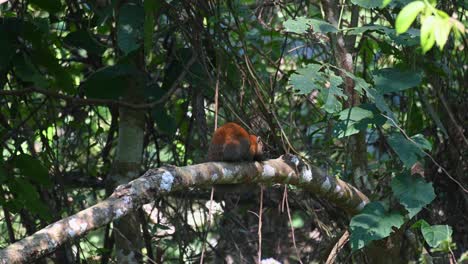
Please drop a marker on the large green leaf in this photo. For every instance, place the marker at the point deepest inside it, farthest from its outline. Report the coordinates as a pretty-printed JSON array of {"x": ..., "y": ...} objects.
[
  {"x": 390, "y": 80},
  {"x": 436, "y": 234},
  {"x": 412, "y": 192},
  {"x": 373, "y": 223},
  {"x": 427, "y": 33},
  {"x": 371, "y": 3},
  {"x": 300, "y": 25},
  {"x": 307, "y": 79},
  {"x": 379, "y": 100},
  {"x": 26, "y": 196},
  {"x": 408, "y": 152},
  {"x": 310, "y": 78},
  {"x": 332, "y": 94},
  {"x": 355, "y": 119},
  {"x": 407, "y": 16},
  {"x": 110, "y": 82},
  {"x": 32, "y": 169},
  {"x": 130, "y": 27}
]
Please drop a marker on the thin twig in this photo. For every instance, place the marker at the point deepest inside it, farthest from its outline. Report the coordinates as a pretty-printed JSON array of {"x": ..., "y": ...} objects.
[
  {"x": 208, "y": 223},
  {"x": 337, "y": 247},
  {"x": 285, "y": 199}
]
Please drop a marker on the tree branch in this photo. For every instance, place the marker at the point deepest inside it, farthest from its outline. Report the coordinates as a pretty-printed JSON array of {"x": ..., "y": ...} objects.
[{"x": 155, "y": 182}]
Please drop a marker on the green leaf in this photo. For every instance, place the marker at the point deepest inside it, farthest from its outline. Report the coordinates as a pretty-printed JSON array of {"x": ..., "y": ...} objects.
[
  {"x": 109, "y": 82},
  {"x": 376, "y": 97},
  {"x": 32, "y": 169},
  {"x": 442, "y": 29},
  {"x": 84, "y": 40},
  {"x": 322, "y": 26},
  {"x": 407, "y": 151},
  {"x": 355, "y": 119},
  {"x": 299, "y": 25},
  {"x": 422, "y": 142},
  {"x": 412, "y": 192},
  {"x": 407, "y": 16},
  {"x": 378, "y": 28},
  {"x": 391, "y": 80},
  {"x": 26, "y": 72},
  {"x": 307, "y": 79},
  {"x": 28, "y": 197},
  {"x": 373, "y": 223},
  {"x": 332, "y": 94},
  {"x": 436, "y": 234},
  {"x": 130, "y": 27},
  {"x": 427, "y": 33},
  {"x": 371, "y": 3}
]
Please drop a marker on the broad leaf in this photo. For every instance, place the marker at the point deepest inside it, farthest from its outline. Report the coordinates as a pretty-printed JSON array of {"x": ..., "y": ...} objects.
[
  {"x": 109, "y": 82},
  {"x": 355, "y": 119},
  {"x": 436, "y": 234},
  {"x": 300, "y": 25},
  {"x": 332, "y": 94},
  {"x": 442, "y": 29},
  {"x": 371, "y": 3},
  {"x": 407, "y": 16},
  {"x": 412, "y": 192},
  {"x": 130, "y": 27},
  {"x": 427, "y": 33},
  {"x": 373, "y": 223},
  {"x": 408, "y": 152},
  {"x": 322, "y": 26},
  {"x": 391, "y": 80},
  {"x": 376, "y": 97},
  {"x": 32, "y": 169},
  {"x": 307, "y": 79}
]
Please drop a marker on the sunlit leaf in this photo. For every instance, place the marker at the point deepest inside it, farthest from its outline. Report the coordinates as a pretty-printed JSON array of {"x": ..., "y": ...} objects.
[
  {"x": 427, "y": 33},
  {"x": 407, "y": 16},
  {"x": 442, "y": 29}
]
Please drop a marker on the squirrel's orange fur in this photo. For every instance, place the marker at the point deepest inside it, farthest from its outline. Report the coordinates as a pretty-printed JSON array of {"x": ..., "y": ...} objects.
[{"x": 231, "y": 142}]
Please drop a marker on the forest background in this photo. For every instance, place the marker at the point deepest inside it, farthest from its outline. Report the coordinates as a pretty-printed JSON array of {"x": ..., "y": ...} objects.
[{"x": 374, "y": 93}]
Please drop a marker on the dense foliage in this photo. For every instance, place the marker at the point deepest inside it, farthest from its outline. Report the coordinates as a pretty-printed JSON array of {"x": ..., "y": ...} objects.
[{"x": 373, "y": 92}]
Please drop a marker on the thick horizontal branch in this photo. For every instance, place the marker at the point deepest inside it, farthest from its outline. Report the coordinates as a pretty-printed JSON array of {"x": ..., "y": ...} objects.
[{"x": 127, "y": 198}]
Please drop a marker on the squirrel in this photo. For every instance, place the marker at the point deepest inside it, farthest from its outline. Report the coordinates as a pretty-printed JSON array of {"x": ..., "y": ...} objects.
[{"x": 231, "y": 142}]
